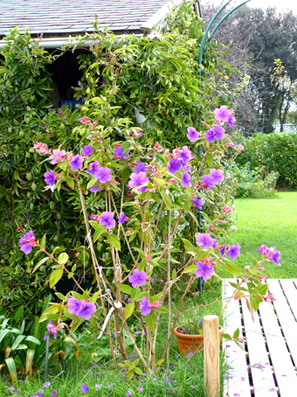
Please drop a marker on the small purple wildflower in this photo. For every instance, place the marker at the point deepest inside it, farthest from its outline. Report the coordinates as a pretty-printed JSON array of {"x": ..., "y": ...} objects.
[
  {"x": 139, "y": 388},
  {"x": 103, "y": 174},
  {"x": 87, "y": 150},
  {"x": 87, "y": 308},
  {"x": 185, "y": 155},
  {"x": 216, "y": 132},
  {"x": 27, "y": 242},
  {"x": 205, "y": 240},
  {"x": 119, "y": 153},
  {"x": 197, "y": 202},
  {"x": 94, "y": 167},
  {"x": 140, "y": 168},
  {"x": 207, "y": 179},
  {"x": 53, "y": 393},
  {"x": 122, "y": 218},
  {"x": 174, "y": 166},
  {"x": 49, "y": 178},
  {"x": 84, "y": 388},
  {"x": 203, "y": 271},
  {"x": 223, "y": 249},
  {"x": 145, "y": 306},
  {"x": 137, "y": 180},
  {"x": 107, "y": 220},
  {"x": 74, "y": 305},
  {"x": 76, "y": 163},
  {"x": 185, "y": 179},
  {"x": 46, "y": 384},
  {"x": 58, "y": 156},
  {"x": 137, "y": 278},
  {"x": 129, "y": 392},
  {"x": 275, "y": 257},
  {"x": 193, "y": 135},
  {"x": 137, "y": 332},
  {"x": 222, "y": 114},
  {"x": 230, "y": 121},
  {"x": 95, "y": 188},
  {"x": 216, "y": 175},
  {"x": 234, "y": 251}
]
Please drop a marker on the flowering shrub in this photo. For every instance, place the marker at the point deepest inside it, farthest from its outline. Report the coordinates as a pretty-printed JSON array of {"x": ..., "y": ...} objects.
[{"x": 142, "y": 187}]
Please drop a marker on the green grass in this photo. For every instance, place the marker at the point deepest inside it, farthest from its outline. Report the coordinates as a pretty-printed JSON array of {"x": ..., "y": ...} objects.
[{"x": 267, "y": 221}]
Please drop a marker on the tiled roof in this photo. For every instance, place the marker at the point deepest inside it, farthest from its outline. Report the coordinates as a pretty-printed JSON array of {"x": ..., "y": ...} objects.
[{"x": 65, "y": 17}]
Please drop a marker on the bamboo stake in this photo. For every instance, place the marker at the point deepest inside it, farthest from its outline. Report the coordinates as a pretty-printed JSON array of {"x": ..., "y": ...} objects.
[{"x": 211, "y": 356}]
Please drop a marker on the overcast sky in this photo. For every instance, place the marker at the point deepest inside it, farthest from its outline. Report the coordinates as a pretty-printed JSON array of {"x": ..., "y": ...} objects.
[{"x": 281, "y": 5}]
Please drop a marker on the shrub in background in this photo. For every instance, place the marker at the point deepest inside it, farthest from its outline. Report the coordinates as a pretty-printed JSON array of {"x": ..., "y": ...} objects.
[
  {"x": 254, "y": 184},
  {"x": 276, "y": 152}
]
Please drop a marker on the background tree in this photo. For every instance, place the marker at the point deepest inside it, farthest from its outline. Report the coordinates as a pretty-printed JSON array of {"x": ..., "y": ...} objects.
[{"x": 255, "y": 39}]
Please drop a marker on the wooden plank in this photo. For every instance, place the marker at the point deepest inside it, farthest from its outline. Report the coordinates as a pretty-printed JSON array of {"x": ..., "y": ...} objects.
[
  {"x": 285, "y": 316},
  {"x": 261, "y": 370},
  {"x": 291, "y": 294},
  {"x": 281, "y": 360},
  {"x": 211, "y": 356},
  {"x": 238, "y": 379}
]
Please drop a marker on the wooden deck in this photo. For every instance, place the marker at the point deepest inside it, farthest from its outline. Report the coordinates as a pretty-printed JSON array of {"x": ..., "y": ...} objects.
[{"x": 267, "y": 367}]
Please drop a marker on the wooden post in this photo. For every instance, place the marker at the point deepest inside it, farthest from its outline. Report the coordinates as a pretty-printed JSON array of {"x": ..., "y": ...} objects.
[{"x": 211, "y": 356}]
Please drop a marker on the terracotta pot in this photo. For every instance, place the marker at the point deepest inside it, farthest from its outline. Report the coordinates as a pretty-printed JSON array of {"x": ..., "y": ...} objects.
[{"x": 190, "y": 343}]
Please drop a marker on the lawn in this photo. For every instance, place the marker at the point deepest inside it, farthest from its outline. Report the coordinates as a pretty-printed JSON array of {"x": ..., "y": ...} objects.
[{"x": 272, "y": 222}]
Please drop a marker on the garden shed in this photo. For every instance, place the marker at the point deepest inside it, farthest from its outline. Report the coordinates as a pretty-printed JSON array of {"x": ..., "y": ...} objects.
[{"x": 54, "y": 22}]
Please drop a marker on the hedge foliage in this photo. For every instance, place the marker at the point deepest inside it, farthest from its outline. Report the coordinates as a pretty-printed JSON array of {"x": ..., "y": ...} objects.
[{"x": 276, "y": 152}]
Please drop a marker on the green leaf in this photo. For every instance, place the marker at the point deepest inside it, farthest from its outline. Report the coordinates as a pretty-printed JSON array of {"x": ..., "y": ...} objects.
[
  {"x": 227, "y": 336},
  {"x": 138, "y": 371},
  {"x": 41, "y": 262},
  {"x": 61, "y": 296},
  {"x": 135, "y": 293},
  {"x": 129, "y": 309},
  {"x": 55, "y": 276},
  {"x": 70, "y": 182},
  {"x": 262, "y": 289},
  {"x": 12, "y": 370},
  {"x": 166, "y": 199},
  {"x": 150, "y": 319},
  {"x": 255, "y": 301},
  {"x": 43, "y": 241},
  {"x": 162, "y": 309},
  {"x": 32, "y": 339},
  {"x": 190, "y": 247},
  {"x": 17, "y": 341},
  {"x": 161, "y": 361},
  {"x": 98, "y": 234},
  {"x": 63, "y": 258},
  {"x": 190, "y": 269},
  {"x": 125, "y": 288},
  {"x": 174, "y": 274},
  {"x": 232, "y": 269},
  {"x": 236, "y": 333},
  {"x": 114, "y": 241}
]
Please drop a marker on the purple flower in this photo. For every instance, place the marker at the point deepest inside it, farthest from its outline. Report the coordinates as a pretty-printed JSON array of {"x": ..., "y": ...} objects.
[
  {"x": 49, "y": 178},
  {"x": 216, "y": 132},
  {"x": 74, "y": 306},
  {"x": 94, "y": 167},
  {"x": 145, "y": 306},
  {"x": 27, "y": 242},
  {"x": 107, "y": 220},
  {"x": 87, "y": 308},
  {"x": 223, "y": 249},
  {"x": 198, "y": 202},
  {"x": 137, "y": 332},
  {"x": 141, "y": 167},
  {"x": 137, "y": 180},
  {"x": 103, "y": 174},
  {"x": 207, "y": 179},
  {"x": 203, "y": 271},
  {"x": 185, "y": 179},
  {"x": 222, "y": 114},
  {"x": 76, "y": 163},
  {"x": 216, "y": 175},
  {"x": 137, "y": 278},
  {"x": 58, "y": 156},
  {"x": 84, "y": 388},
  {"x": 263, "y": 249},
  {"x": 139, "y": 388},
  {"x": 46, "y": 384},
  {"x": 129, "y": 392},
  {"x": 174, "y": 165},
  {"x": 54, "y": 393},
  {"x": 185, "y": 155},
  {"x": 230, "y": 121},
  {"x": 122, "y": 218},
  {"x": 119, "y": 152},
  {"x": 87, "y": 150},
  {"x": 234, "y": 251},
  {"x": 38, "y": 395},
  {"x": 215, "y": 244},
  {"x": 95, "y": 188},
  {"x": 193, "y": 135},
  {"x": 205, "y": 240},
  {"x": 275, "y": 257}
]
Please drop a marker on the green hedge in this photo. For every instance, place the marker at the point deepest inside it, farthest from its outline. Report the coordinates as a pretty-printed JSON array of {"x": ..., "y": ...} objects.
[{"x": 276, "y": 152}]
